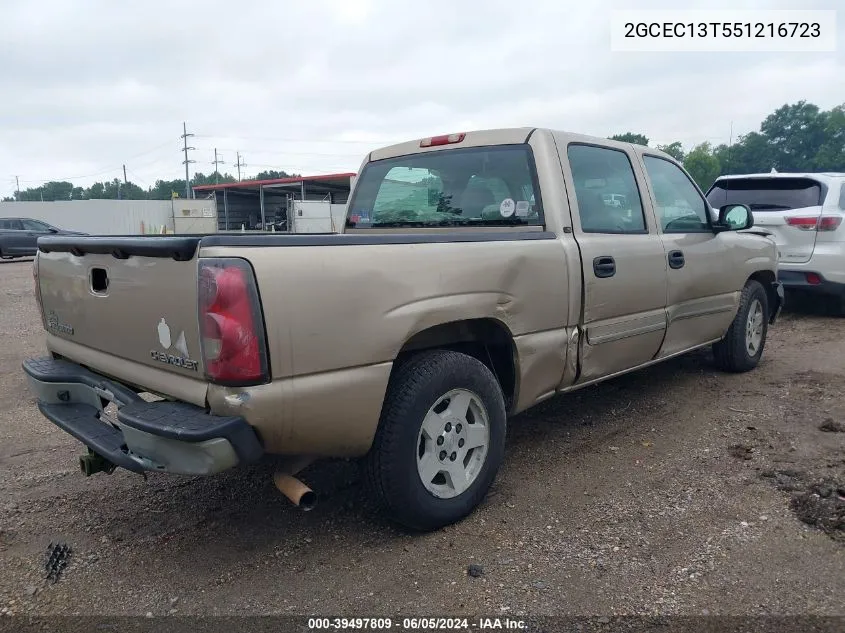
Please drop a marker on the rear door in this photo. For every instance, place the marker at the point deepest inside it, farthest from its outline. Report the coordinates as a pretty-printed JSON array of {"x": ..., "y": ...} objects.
[
  {"x": 623, "y": 260},
  {"x": 14, "y": 237},
  {"x": 789, "y": 207}
]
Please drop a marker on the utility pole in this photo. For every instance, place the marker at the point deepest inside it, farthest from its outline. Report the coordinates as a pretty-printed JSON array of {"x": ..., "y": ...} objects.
[
  {"x": 240, "y": 164},
  {"x": 217, "y": 171},
  {"x": 187, "y": 161},
  {"x": 125, "y": 181},
  {"x": 17, "y": 189}
]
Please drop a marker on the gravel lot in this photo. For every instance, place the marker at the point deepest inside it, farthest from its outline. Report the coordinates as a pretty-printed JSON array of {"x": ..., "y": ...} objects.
[{"x": 675, "y": 490}]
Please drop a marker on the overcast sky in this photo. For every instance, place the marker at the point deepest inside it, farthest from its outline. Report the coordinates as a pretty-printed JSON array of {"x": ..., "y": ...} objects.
[{"x": 89, "y": 85}]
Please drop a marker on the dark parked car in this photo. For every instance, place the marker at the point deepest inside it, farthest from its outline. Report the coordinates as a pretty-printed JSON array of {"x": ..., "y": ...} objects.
[{"x": 19, "y": 236}]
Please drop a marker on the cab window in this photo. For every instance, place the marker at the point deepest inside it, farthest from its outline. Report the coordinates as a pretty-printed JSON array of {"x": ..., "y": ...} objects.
[
  {"x": 34, "y": 225},
  {"x": 680, "y": 207},
  {"x": 606, "y": 190}
]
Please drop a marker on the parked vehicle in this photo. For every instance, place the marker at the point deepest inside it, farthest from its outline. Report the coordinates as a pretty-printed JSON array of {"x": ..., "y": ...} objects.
[
  {"x": 477, "y": 275},
  {"x": 804, "y": 213},
  {"x": 18, "y": 236}
]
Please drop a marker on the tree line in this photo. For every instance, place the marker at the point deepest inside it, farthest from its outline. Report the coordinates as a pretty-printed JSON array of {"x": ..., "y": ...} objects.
[
  {"x": 119, "y": 190},
  {"x": 796, "y": 137}
]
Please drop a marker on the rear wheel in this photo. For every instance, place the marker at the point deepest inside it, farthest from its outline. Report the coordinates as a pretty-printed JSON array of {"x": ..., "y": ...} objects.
[
  {"x": 742, "y": 347},
  {"x": 440, "y": 441}
]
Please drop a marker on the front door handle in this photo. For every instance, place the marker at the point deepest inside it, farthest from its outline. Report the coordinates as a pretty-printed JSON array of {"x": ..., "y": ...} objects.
[
  {"x": 676, "y": 259},
  {"x": 604, "y": 266}
]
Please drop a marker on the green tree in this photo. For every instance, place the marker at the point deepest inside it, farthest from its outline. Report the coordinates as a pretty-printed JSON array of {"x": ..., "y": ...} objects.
[
  {"x": 164, "y": 189},
  {"x": 752, "y": 153},
  {"x": 702, "y": 165},
  {"x": 272, "y": 174},
  {"x": 115, "y": 190},
  {"x": 675, "y": 150},
  {"x": 794, "y": 134},
  {"x": 199, "y": 179},
  {"x": 630, "y": 137},
  {"x": 52, "y": 191},
  {"x": 831, "y": 154}
]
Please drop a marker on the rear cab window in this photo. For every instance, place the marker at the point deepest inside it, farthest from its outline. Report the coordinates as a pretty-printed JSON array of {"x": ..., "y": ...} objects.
[
  {"x": 767, "y": 194},
  {"x": 477, "y": 186}
]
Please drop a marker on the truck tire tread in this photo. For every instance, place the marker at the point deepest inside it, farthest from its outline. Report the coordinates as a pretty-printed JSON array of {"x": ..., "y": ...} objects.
[
  {"x": 730, "y": 354},
  {"x": 407, "y": 400}
]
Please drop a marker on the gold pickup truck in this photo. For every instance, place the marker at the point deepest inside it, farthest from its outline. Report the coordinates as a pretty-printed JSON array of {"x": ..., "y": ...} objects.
[{"x": 477, "y": 275}]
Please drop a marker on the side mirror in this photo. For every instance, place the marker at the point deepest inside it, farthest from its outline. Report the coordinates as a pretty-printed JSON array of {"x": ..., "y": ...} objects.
[
  {"x": 735, "y": 217},
  {"x": 52, "y": 230}
]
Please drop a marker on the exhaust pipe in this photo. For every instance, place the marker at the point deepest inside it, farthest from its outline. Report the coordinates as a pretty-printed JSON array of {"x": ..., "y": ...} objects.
[
  {"x": 300, "y": 495},
  {"x": 92, "y": 463}
]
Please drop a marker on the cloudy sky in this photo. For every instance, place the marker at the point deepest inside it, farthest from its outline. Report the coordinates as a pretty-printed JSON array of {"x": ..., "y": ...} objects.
[{"x": 90, "y": 85}]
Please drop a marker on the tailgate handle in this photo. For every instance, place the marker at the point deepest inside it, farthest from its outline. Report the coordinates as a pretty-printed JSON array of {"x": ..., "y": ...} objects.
[
  {"x": 99, "y": 280},
  {"x": 604, "y": 266}
]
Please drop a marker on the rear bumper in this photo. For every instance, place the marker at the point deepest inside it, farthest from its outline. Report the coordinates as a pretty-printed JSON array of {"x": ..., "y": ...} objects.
[
  {"x": 797, "y": 280},
  {"x": 173, "y": 437}
]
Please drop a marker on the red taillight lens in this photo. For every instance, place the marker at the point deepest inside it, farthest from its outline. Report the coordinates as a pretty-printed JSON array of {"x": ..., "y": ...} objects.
[
  {"x": 445, "y": 139},
  {"x": 231, "y": 327},
  {"x": 805, "y": 224},
  {"x": 821, "y": 223},
  {"x": 813, "y": 279},
  {"x": 829, "y": 222}
]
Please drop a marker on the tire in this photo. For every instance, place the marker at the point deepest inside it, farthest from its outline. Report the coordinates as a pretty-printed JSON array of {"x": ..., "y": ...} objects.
[
  {"x": 734, "y": 352},
  {"x": 406, "y": 442}
]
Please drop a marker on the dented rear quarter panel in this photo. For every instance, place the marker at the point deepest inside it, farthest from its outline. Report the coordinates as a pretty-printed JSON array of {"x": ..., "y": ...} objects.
[{"x": 337, "y": 317}]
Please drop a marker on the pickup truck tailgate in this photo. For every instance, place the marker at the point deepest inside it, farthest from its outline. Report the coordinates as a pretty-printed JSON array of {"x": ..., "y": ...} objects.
[{"x": 136, "y": 306}]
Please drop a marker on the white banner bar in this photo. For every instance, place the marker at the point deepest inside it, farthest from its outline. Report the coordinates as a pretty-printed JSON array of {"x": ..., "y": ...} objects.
[{"x": 721, "y": 30}]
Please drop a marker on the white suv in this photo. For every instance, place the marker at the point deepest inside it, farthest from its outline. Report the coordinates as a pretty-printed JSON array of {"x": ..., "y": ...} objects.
[{"x": 804, "y": 213}]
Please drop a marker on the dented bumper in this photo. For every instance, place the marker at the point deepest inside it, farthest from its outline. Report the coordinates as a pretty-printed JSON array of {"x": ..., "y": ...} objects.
[{"x": 174, "y": 437}]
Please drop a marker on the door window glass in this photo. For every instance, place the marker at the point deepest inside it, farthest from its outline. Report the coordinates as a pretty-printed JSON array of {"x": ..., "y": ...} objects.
[
  {"x": 606, "y": 190},
  {"x": 679, "y": 206}
]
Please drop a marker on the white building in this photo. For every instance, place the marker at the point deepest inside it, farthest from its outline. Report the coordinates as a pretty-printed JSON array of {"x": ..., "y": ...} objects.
[{"x": 120, "y": 217}]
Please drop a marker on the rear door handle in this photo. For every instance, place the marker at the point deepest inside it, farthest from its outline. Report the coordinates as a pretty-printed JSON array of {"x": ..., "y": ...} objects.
[
  {"x": 676, "y": 259},
  {"x": 604, "y": 266}
]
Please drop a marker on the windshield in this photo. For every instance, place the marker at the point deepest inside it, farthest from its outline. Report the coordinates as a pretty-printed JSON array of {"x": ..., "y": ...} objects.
[
  {"x": 766, "y": 194},
  {"x": 481, "y": 186}
]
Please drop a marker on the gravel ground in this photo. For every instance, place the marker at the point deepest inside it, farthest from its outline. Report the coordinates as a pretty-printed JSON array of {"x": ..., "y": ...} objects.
[{"x": 675, "y": 490}]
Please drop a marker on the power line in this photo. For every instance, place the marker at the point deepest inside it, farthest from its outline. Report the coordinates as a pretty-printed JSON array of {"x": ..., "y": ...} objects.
[
  {"x": 104, "y": 171},
  {"x": 187, "y": 161},
  {"x": 135, "y": 176}
]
